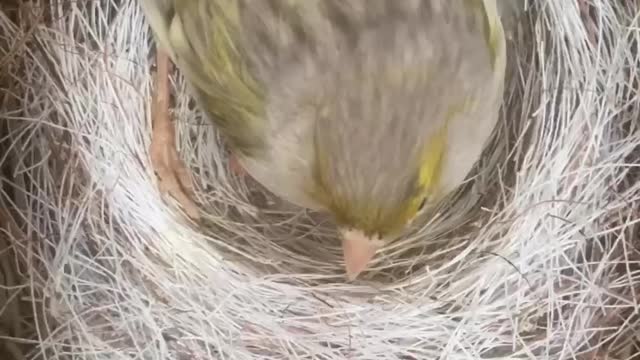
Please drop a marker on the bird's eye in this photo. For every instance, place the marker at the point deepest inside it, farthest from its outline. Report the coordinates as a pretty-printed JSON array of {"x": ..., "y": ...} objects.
[{"x": 422, "y": 204}]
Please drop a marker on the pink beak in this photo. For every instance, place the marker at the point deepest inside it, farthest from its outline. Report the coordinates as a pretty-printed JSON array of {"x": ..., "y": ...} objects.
[{"x": 358, "y": 250}]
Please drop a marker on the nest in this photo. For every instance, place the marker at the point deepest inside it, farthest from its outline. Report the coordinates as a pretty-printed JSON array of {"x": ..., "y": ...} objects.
[{"x": 535, "y": 256}]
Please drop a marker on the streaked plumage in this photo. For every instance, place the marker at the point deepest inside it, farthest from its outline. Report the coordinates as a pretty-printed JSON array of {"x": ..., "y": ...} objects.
[{"x": 364, "y": 108}]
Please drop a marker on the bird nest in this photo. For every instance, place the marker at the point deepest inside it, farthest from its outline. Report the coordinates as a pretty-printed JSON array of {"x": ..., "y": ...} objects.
[{"x": 535, "y": 256}]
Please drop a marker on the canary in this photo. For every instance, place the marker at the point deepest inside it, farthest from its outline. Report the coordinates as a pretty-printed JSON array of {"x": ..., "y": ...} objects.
[{"x": 371, "y": 110}]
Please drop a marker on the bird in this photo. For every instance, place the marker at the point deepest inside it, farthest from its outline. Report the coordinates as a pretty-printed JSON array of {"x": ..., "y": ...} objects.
[{"x": 369, "y": 110}]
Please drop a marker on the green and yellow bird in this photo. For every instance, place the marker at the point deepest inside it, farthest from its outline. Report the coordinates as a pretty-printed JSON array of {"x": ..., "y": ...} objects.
[{"x": 367, "y": 109}]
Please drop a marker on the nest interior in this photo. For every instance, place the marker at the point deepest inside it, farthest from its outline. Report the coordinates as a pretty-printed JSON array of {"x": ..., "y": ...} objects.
[{"x": 536, "y": 256}]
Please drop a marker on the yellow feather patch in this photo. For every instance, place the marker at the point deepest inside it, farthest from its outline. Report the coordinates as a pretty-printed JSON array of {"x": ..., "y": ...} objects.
[
  {"x": 204, "y": 36},
  {"x": 430, "y": 170},
  {"x": 492, "y": 27}
]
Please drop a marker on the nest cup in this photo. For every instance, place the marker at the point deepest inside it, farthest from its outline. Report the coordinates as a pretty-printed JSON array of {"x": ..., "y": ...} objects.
[{"x": 535, "y": 256}]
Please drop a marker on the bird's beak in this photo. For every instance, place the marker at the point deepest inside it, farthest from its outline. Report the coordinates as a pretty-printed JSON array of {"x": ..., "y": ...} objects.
[{"x": 358, "y": 250}]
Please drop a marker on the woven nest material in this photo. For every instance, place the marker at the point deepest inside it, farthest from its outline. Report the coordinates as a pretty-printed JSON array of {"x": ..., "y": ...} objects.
[{"x": 536, "y": 256}]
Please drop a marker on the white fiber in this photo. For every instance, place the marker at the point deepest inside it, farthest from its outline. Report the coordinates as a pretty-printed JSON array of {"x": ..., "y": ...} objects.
[{"x": 537, "y": 257}]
